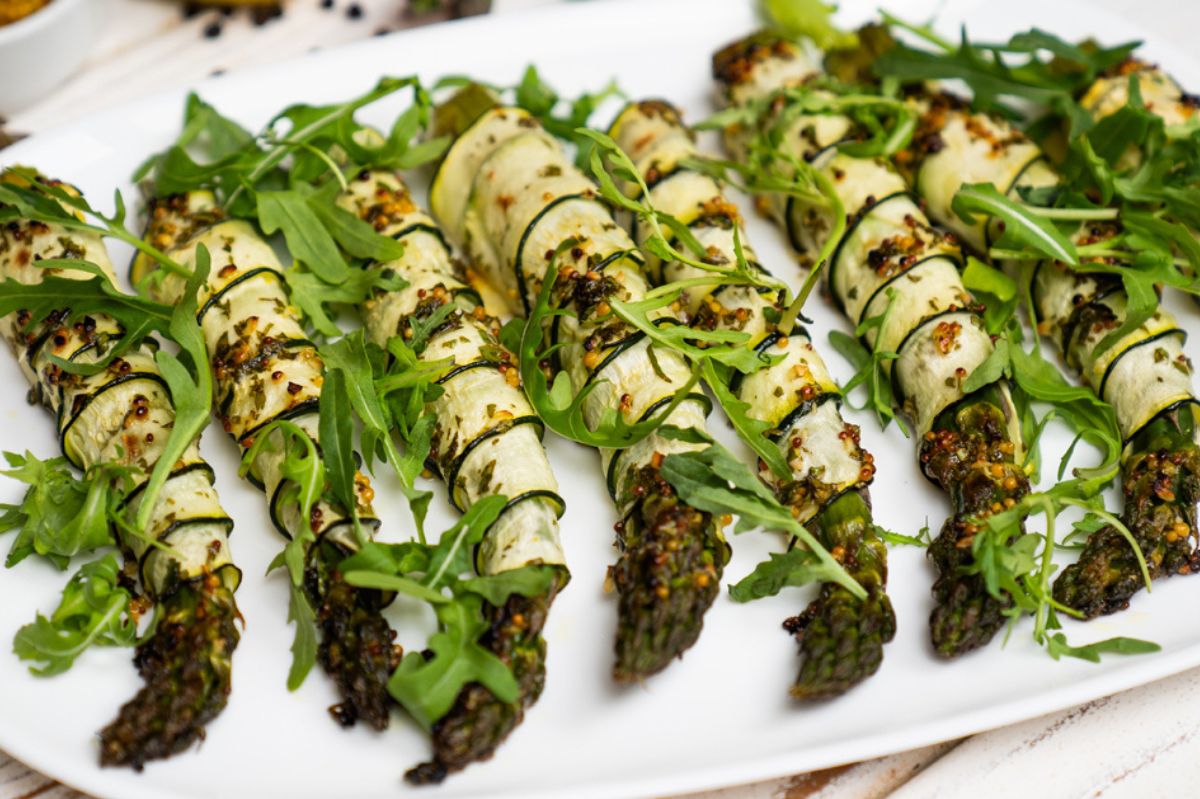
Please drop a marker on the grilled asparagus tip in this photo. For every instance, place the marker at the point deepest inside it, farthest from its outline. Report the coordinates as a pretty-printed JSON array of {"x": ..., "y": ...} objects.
[
  {"x": 1161, "y": 485},
  {"x": 479, "y": 722},
  {"x": 667, "y": 576},
  {"x": 357, "y": 649},
  {"x": 842, "y": 637},
  {"x": 187, "y": 668}
]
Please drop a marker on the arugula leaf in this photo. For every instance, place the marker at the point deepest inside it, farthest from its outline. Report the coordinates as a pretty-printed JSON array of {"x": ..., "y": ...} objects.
[
  {"x": 751, "y": 431},
  {"x": 189, "y": 380},
  {"x": 304, "y": 472},
  {"x": 60, "y": 515},
  {"x": 1057, "y": 646},
  {"x": 94, "y": 610},
  {"x": 921, "y": 539},
  {"x": 336, "y": 428},
  {"x": 526, "y": 581},
  {"x": 426, "y": 686},
  {"x": 307, "y": 239},
  {"x": 994, "y": 72},
  {"x": 350, "y": 355},
  {"x": 714, "y": 480},
  {"x": 869, "y": 367},
  {"x": 1022, "y": 225},
  {"x": 313, "y": 296},
  {"x": 304, "y": 641},
  {"x": 995, "y": 289},
  {"x": 809, "y": 19},
  {"x": 356, "y": 237},
  {"x": 795, "y": 567}
]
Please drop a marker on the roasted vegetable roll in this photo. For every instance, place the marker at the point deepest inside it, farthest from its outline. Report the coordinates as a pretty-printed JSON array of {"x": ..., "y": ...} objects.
[
  {"x": 265, "y": 370},
  {"x": 486, "y": 442},
  {"x": 122, "y": 416}
]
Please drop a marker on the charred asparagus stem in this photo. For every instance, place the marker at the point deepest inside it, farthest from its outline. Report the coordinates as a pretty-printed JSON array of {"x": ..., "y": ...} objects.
[
  {"x": 1144, "y": 375},
  {"x": 122, "y": 416},
  {"x": 186, "y": 666},
  {"x": 485, "y": 442},
  {"x": 841, "y": 637},
  {"x": 356, "y": 648},
  {"x": 890, "y": 257},
  {"x": 265, "y": 370},
  {"x": 507, "y": 193}
]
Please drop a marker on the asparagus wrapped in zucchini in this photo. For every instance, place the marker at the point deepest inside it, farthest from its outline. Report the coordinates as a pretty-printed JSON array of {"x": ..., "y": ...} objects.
[
  {"x": 893, "y": 267},
  {"x": 122, "y": 416},
  {"x": 841, "y": 637},
  {"x": 265, "y": 370},
  {"x": 1144, "y": 375},
  {"x": 486, "y": 442},
  {"x": 507, "y": 193}
]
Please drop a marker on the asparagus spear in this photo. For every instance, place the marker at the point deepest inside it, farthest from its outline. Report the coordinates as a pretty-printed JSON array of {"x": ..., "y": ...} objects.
[
  {"x": 891, "y": 266},
  {"x": 122, "y": 416},
  {"x": 485, "y": 442},
  {"x": 1144, "y": 374},
  {"x": 264, "y": 371},
  {"x": 506, "y": 192},
  {"x": 841, "y": 637}
]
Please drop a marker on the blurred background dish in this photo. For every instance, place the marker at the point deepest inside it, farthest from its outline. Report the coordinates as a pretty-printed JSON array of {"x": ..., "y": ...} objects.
[{"x": 42, "y": 49}]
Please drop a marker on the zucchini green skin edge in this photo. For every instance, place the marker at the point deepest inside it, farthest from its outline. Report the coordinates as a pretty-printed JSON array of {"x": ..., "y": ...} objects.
[
  {"x": 508, "y": 195},
  {"x": 263, "y": 370},
  {"x": 122, "y": 416},
  {"x": 480, "y": 447},
  {"x": 841, "y": 637},
  {"x": 1145, "y": 376},
  {"x": 970, "y": 445}
]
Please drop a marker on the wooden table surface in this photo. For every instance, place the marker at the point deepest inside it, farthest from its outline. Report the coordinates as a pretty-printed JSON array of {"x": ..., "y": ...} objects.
[{"x": 1141, "y": 744}]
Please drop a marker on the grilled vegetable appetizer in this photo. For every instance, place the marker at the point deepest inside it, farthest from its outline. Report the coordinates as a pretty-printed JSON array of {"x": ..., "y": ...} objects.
[
  {"x": 894, "y": 272},
  {"x": 121, "y": 416},
  {"x": 507, "y": 193},
  {"x": 1144, "y": 374},
  {"x": 841, "y": 637},
  {"x": 266, "y": 372},
  {"x": 486, "y": 442}
]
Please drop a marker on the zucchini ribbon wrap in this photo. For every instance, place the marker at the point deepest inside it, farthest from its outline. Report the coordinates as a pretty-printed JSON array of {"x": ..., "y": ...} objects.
[
  {"x": 267, "y": 380},
  {"x": 841, "y": 637},
  {"x": 896, "y": 279},
  {"x": 1144, "y": 374},
  {"x": 485, "y": 442},
  {"x": 511, "y": 198},
  {"x": 121, "y": 416}
]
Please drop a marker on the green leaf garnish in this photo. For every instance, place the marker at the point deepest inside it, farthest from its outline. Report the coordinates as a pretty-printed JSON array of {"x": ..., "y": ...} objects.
[{"x": 94, "y": 611}]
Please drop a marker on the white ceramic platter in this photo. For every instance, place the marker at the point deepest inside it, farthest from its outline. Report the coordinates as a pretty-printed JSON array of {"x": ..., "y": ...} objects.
[{"x": 719, "y": 717}]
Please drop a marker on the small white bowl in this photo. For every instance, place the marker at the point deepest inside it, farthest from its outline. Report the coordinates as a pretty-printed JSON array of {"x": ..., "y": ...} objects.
[{"x": 39, "y": 52}]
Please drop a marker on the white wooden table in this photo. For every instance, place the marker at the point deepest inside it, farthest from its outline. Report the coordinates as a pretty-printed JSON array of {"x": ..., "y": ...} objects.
[{"x": 1141, "y": 744}]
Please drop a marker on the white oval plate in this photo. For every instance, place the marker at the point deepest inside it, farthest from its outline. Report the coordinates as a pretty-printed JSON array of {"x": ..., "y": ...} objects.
[{"x": 719, "y": 717}]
